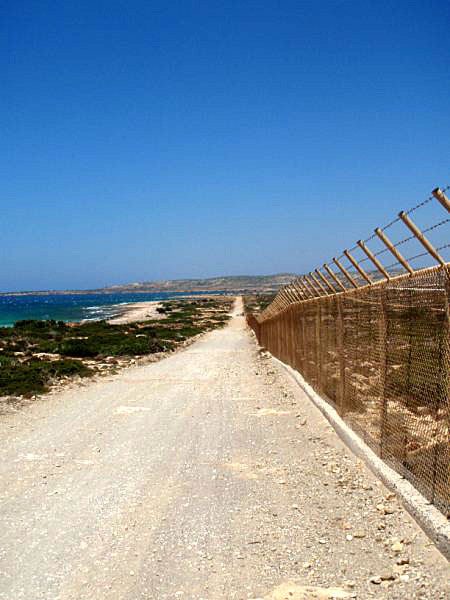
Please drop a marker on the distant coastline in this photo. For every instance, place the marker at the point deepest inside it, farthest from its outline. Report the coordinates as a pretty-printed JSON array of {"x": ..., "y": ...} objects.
[
  {"x": 226, "y": 284},
  {"x": 106, "y": 291},
  {"x": 71, "y": 308}
]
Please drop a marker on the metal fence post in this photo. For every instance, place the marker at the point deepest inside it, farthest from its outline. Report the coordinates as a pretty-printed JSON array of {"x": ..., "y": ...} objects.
[
  {"x": 383, "y": 341},
  {"x": 341, "y": 353}
]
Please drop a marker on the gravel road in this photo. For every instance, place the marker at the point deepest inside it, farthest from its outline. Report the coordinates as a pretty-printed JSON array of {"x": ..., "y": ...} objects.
[{"x": 208, "y": 475}]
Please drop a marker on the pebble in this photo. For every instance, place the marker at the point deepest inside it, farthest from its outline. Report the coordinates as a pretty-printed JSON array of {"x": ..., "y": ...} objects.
[
  {"x": 359, "y": 534},
  {"x": 397, "y": 547}
]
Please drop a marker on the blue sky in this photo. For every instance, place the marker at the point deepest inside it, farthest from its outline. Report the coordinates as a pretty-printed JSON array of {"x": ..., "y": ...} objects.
[{"x": 147, "y": 140}]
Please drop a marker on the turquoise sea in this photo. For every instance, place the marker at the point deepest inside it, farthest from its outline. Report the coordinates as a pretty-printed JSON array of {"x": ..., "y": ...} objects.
[{"x": 71, "y": 307}]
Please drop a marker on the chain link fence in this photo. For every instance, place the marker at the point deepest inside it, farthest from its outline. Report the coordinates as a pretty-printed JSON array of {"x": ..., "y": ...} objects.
[{"x": 380, "y": 354}]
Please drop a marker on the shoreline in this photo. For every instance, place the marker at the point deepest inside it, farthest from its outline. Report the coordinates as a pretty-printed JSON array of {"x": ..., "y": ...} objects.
[
  {"x": 119, "y": 313},
  {"x": 38, "y": 357},
  {"x": 137, "y": 311}
]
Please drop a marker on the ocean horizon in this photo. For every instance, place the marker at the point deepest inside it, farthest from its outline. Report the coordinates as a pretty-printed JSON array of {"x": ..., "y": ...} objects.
[{"x": 74, "y": 307}]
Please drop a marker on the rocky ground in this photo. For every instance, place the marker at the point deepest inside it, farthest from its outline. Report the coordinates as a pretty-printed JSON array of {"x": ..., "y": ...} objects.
[{"x": 208, "y": 475}]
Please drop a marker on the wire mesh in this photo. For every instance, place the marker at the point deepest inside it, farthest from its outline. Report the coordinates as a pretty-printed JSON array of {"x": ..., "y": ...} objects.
[
  {"x": 381, "y": 356},
  {"x": 380, "y": 353}
]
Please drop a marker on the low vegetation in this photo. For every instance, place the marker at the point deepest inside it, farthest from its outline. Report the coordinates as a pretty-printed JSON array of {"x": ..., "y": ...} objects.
[
  {"x": 256, "y": 303},
  {"x": 34, "y": 355}
]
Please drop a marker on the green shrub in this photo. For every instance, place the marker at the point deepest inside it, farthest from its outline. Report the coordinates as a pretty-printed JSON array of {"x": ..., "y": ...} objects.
[
  {"x": 78, "y": 348},
  {"x": 31, "y": 377},
  {"x": 67, "y": 367}
]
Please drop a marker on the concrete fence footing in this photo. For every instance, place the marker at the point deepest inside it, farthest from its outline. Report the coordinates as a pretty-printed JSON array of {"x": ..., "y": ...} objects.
[{"x": 428, "y": 517}]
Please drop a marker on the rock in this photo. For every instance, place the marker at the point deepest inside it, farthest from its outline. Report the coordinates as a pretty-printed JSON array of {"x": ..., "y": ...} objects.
[
  {"x": 349, "y": 537},
  {"x": 385, "y": 510},
  {"x": 376, "y": 579},
  {"x": 397, "y": 547},
  {"x": 388, "y": 577},
  {"x": 359, "y": 534},
  {"x": 403, "y": 561}
]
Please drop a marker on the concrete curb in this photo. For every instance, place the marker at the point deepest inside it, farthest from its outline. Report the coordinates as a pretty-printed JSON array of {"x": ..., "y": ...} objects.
[{"x": 433, "y": 522}]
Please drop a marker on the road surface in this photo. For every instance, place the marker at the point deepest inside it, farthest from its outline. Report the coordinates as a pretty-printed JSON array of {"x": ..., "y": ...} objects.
[{"x": 208, "y": 475}]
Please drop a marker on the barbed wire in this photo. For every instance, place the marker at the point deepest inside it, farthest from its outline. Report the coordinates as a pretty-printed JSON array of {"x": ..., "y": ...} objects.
[
  {"x": 352, "y": 271},
  {"x": 406, "y": 239},
  {"x": 410, "y": 259},
  {"x": 374, "y": 235},
  {"x": 413, "y": 237},
  {"x": 436, "y": 225},
  {"x": 381, "y": 251},
  {"x": 418, "y": 256},
  {"x": 407, "y": 212},
  {"x": 396, "y": 220},
  {"x": 393, "y": 265},
  {"x": 414, "y": 208},
  {"x": 363, "y": 260}
]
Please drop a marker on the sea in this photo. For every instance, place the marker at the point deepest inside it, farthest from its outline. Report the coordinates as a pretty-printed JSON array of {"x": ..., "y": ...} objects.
[{"x": 73, "y": 307}]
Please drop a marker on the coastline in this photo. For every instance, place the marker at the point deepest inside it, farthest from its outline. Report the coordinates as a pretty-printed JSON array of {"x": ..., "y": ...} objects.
[
  {"x": 137, "y": 311},
  {"x": 38, "y": 355},
  {"x": 147, "y": 310},
  {"x": 117, "y": 309}
]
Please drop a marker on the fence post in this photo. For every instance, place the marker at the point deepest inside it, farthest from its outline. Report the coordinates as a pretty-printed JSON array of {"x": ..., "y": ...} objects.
[
  {"x": 383, "y": 339},
  {"x": 346, "y": 273},
  {"x": 422, "y": 239},
  {"x": 341, "y": 352},
  {"x": 318, "y": 344},
  {"x": 384, "y": 238},
  {"x": 324, "y": 279},
  {"x": 357, "y": 266},
  {"x": 334, "y": 278},
  {"x": 439, "y": 195},
  {"x": 444, "y": 361}
]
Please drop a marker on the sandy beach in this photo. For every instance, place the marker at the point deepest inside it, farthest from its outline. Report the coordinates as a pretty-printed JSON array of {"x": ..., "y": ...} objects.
[{"x": 137, "y": 311}]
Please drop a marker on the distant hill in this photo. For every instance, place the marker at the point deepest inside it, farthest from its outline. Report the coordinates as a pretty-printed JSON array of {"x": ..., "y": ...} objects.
[
  {"x": 233, "y": 283},
  {"x": 228, "y": 283}
]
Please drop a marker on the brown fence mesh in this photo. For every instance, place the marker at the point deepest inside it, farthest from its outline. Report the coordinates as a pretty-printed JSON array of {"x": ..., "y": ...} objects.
[{"x": 380, "y": 354}]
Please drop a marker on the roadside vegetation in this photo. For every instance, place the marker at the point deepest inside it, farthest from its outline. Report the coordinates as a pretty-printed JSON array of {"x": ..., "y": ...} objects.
[
  {"x": 35, "y": 355},
  {"x": 256, "y": 303}
]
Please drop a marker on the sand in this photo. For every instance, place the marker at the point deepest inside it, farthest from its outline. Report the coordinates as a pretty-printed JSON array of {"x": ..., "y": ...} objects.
[{"x": 137, "y": 311}]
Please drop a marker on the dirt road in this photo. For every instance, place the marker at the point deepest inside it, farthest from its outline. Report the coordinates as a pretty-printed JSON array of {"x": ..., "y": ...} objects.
[{"x": 208, "y": 475}]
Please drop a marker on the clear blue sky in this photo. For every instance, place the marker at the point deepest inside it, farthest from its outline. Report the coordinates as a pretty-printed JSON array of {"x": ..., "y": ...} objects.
[{"x": 146, "y": 140}]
